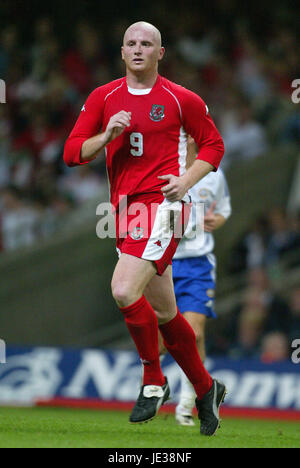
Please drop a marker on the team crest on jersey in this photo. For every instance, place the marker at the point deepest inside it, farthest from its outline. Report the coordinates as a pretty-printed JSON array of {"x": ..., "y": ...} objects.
[
  {"x": 137, "y": 233},
  {"x": 157, "y": 113}
]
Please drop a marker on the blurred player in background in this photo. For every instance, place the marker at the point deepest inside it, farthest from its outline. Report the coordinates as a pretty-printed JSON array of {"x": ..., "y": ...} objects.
[
  {"x": 142, "y": 120},
  {"x": 194, "y": 270}
]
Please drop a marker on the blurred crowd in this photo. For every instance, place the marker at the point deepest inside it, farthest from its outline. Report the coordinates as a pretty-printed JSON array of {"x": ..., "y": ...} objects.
[
  {"x": 46, "y": 87},
  {"x": 49, "y": 73},
  {"x": 263, "y": 325},
  {"x": 273, "y": 237},
  {"x": 266, "y": 320}
]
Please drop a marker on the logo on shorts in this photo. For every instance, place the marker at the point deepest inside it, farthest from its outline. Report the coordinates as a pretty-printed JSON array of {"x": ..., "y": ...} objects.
[
  {"x": 158, "y": 243},
  {"x": 157, "y": 112},
  {"x": 210, "y": 293},
  {"x": 137, "y": 233}
]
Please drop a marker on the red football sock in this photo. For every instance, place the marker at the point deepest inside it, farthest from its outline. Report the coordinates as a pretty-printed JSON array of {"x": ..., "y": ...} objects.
[
  {"x": 180, "y": 341},
  {"x": 142, "y": 324}
]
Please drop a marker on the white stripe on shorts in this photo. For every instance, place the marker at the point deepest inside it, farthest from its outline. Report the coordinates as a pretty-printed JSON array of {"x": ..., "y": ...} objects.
[{"x": 161, "y": 230}]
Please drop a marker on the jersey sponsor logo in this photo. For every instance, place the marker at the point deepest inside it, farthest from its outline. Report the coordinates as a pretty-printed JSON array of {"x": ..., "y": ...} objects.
[
  {"x": 137, "y": 233},
  {"x": 157, "y": 113}
]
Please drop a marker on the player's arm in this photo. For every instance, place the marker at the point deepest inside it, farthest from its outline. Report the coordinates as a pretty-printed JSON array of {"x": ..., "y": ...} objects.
[
  {"x": 192, "y": 174},
  {"x": 196, "y": 172},
  {"x": 213, "y": 220},
  {"x": 86, "y": 140},
  {"x": 92, "y": 147},
  {"x": 197, "y": 123},
  {"x": 208, "y": 142},
  {"x": 220, "y": 210},
  {"x": 177, "y": 187}
]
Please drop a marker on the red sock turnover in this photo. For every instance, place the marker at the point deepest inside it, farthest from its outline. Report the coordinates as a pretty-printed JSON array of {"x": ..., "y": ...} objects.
[
  {"x": 142, "y": 324},
  {"x": 180, "y": 341}
]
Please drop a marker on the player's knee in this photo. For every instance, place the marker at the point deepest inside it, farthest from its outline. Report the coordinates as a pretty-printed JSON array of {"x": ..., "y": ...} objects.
[
  {"x": 122, "y": 294},
  {"x": 163, "y": 316}
]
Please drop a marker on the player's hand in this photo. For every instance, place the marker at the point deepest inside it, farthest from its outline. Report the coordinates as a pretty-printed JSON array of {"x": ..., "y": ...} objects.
[
  {"x": 175, "y": 189},
  {"x": 210, "y": 219},
  {"x": 117, "y": 125}
]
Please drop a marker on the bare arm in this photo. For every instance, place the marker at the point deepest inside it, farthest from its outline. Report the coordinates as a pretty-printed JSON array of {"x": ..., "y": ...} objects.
[
  {"x": 197, "y": 169},
  {"x": 92, "y": 147},
  {"x": 196, "y": 172}
]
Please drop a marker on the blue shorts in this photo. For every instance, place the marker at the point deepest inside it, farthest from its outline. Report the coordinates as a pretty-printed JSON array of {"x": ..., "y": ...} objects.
[{"x": 195, "y": 284}]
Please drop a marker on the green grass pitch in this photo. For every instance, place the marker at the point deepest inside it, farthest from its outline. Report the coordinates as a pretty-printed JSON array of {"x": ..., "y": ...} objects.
[{"x": 69, "y": 428}]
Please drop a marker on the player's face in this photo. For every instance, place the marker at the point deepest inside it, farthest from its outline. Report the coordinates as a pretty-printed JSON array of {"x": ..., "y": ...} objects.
[{"x": 141, "y": 50}]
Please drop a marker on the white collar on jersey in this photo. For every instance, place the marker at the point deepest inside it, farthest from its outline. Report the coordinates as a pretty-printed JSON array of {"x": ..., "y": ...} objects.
[{"x": 139, "y": 92}]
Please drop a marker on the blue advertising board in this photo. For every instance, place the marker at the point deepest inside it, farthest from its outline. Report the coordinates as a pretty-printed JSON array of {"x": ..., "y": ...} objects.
[{"x": 32, "y": 374}]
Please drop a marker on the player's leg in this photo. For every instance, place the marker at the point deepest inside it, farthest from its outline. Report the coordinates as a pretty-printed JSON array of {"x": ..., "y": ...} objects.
[
  {"x": 194, "y": 283},
  {"x": 160, "y": 293},
  {"x": 162, "y": 349},
  {"x": 174, "y": 328},
  {"x": 128, "y": 283},
  {"x": 129, "y": 280},
  {"x": 178, "y": 336},
  {"x": 184, "y": 409},
  {"x": 179, "y": 339},
  {"x": 198, "y": 324},
  {"x": 130, "y": 277},
  {"x": 147, "y": 248}
]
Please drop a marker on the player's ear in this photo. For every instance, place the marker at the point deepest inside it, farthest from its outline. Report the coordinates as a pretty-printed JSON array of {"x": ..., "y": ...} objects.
[
  {"x": 122, "y": 52},
  {"x": 161, "y": 53}
]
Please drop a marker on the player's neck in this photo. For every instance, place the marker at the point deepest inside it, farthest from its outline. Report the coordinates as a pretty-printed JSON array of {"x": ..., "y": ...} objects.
[{"x": 141, "y": 80}]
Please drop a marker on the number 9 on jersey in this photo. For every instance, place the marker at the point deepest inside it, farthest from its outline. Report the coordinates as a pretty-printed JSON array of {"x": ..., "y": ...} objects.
[{"x": 136, "y": 141}]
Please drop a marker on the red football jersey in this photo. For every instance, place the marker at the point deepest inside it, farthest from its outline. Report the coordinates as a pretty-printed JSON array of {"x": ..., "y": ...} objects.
[{"x": 155, "y": 144}]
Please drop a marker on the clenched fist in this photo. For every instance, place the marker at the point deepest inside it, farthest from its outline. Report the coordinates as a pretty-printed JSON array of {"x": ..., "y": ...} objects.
[{"x": 117, "y": 125}]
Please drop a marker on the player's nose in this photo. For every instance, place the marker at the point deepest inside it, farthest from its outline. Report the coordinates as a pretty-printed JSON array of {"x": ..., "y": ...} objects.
[{"x": 138, "y": 49}]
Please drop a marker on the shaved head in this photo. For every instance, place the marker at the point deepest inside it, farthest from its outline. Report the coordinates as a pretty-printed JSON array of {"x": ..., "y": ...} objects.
[
  {"x": 141, "y": 52},
  {"x": 147, "y": 27}
]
